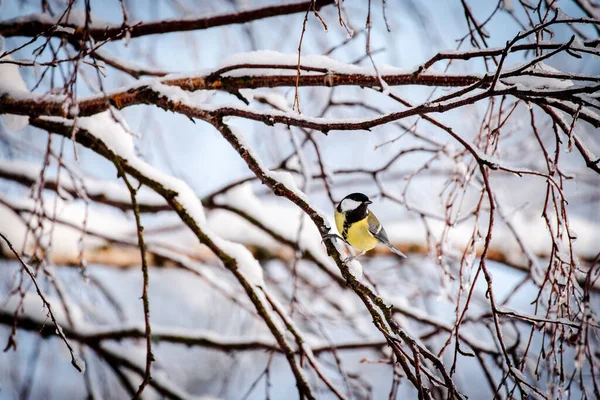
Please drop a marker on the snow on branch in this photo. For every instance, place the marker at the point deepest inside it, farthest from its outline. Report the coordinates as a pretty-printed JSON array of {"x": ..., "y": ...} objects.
[
  {"x": 167, "y": 97},
  {"x": 255, "y": 76}
]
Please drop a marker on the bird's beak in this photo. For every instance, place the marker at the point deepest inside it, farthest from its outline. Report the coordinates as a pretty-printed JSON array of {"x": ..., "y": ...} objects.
[{"x": 368, "y": 202}]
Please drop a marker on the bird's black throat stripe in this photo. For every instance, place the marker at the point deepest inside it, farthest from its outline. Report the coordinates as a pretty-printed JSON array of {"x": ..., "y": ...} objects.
[
  {"x": 345, "y": 230},
  {"x": 353, "y": 216}
]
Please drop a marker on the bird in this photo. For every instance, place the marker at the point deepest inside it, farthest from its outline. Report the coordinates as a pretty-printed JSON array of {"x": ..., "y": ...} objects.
[{"x": 359, "y": 227}]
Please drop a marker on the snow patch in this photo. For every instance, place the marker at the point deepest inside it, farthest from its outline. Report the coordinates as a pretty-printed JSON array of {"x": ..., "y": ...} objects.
[
  {"x": 310, "y": 65},
  {"x": 355, "y": 268},
  {"x": 539, "y": 82},
  {"x": 13, "y": 85}
]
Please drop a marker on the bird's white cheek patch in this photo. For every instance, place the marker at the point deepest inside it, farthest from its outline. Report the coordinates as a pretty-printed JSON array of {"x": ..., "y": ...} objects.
[{"x": 349, "y": 204}]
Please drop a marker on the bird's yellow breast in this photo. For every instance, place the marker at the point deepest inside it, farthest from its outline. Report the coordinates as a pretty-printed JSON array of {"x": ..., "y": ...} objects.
[{"x": 358, "y": 233}]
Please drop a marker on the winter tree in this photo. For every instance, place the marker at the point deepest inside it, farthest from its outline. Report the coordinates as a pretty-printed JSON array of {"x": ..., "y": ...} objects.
[{"x": 169, "y": 172}]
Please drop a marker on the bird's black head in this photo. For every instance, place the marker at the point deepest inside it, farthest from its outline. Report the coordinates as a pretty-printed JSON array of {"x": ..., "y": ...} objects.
[
  {"x": 355, "y": 206},
  {"x": 358, "y": 197}
]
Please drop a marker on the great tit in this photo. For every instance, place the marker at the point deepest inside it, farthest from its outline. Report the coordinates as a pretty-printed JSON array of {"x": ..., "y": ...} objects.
[{"x": 359, "y": 227}]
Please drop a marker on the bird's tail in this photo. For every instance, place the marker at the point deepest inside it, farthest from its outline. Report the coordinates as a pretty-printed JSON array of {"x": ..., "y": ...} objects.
[{"x": 395, "y": 250}]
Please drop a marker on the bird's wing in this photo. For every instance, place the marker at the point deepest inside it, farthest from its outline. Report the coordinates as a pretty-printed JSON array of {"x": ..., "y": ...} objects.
[{"x": 376, "y": 229}]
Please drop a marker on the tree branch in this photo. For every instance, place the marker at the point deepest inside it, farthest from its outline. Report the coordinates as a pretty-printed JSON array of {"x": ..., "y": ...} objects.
[{"x": 33, "y": 25}]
